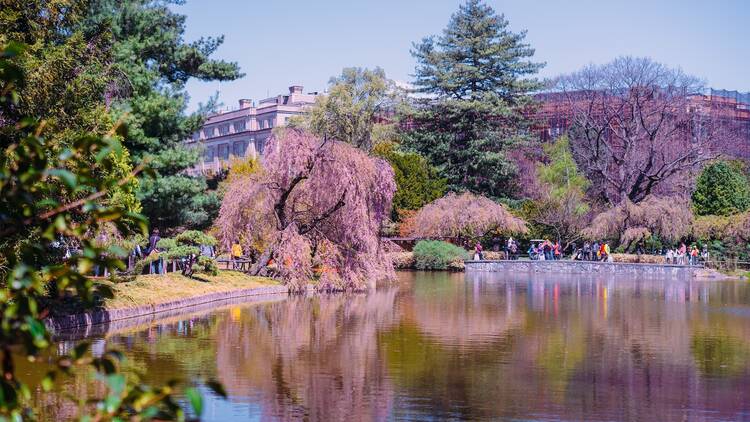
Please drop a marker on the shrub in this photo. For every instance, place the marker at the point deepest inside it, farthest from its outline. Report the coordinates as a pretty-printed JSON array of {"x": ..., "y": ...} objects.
[
  {"x": 436, "y": 255},
  {"x": 206, "y": 265},
  {"x": 638, "y": 259},
  {"x": 402, "y": 260}
]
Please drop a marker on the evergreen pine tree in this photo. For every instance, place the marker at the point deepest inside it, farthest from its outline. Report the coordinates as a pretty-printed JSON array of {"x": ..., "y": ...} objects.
[
  {"x": 721, "y": 189},
  {"x": 155, "y": 63},
  {"x": 475, "y": 81}
]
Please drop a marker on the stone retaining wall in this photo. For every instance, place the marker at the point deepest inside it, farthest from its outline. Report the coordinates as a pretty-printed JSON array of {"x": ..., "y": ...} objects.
[
  {"x": 107, "y": 316},
  {"x": 582, "y": 267}
]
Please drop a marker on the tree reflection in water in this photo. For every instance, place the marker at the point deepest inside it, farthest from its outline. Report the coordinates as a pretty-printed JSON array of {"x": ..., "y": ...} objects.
[{"x": 485, "y": 346}]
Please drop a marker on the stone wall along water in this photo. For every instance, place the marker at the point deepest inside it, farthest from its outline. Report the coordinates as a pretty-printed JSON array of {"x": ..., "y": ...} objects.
[{"x": 582, "y": 267}]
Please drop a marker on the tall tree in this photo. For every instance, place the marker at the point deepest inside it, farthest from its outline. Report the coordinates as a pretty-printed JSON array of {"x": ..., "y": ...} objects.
[
  {"x": 560, "y": 204},
  {"x": 317, "y": 202},
  {"x": 475, "y": 81},
  {"x": 68, "y": 73},
  {"x": 636, "y": 129},
  {"x": 349, "y": 112},
  {"x": 721, "y": 189},
  {"x": 52, "y": 193},
  {"x": 155, "y": 62}
]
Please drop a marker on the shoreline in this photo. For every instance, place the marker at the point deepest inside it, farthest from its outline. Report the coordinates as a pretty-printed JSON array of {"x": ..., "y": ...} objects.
[
  {"x": 104, "y": 317},
  {"x": 137, "y": 322}
]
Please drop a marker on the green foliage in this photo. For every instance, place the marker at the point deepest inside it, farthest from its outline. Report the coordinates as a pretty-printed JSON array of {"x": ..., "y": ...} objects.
[
  {"x": 561, "y": 172},
  {"x": 150, "y": 52},
  {"x": 721, "y": 189},
  {"x": 31, "y": 168},
  {"x": 417, "y": 183},
  {"x": 474, "y": 76},
  {"x": 166, "y": 244},
  {"x": 436, "y": 255},
  {"x": 560, "y": 209},
  {"x": 67, "y": 72},
  {"x": 195, "y": 238},
  {"x": 185, "y": 246},
  {"x": 206, "y": 265},
  {"x": 348, "y": 112},
  {"x": 178, "y": 200}
]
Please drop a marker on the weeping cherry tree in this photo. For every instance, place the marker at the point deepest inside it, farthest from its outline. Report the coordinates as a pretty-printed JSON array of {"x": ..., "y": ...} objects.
[
  {"x": 315, "y": 204},
  {"x": 464, "y": 216}
]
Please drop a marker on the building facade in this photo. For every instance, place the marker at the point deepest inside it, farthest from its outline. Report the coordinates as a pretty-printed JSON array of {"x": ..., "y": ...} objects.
[
  {"x": 555, "y": 116},
  {"x": 244, "y": 132}
]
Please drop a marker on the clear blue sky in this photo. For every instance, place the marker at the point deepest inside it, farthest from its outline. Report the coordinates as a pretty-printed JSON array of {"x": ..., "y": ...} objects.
[{"x": 282, "y": 42}]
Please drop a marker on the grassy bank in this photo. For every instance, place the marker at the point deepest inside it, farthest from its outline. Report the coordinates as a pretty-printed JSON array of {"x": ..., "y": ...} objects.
[{"x": 156, "y": 289}]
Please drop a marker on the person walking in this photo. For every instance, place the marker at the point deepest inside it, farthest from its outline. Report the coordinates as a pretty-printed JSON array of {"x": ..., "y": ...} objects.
[
  {"x": 157, "y": 264},
  {"x": 547, "y": 250},
  {"x": 556, "y": 250},
  {"x": 602, "y": 251},
  {"x": 704, "y": 254},
  {"x": 236, "y": 253},
  {"x": 607, "y": 255},
  {"x": 586, "y": 251},
  {"x": 682, "y": 253},
  {"x": 694, "y": 255},
  {"x": 595, "y": 251}
]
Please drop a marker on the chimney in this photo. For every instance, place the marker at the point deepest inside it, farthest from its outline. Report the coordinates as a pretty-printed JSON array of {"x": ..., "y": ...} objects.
[
  {"x": 295, "y": 89},
  {"x": 246, "y": 103}
]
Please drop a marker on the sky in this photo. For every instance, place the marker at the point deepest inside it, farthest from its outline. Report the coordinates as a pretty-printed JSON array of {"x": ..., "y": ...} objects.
[{"x": 279, "y": 43}]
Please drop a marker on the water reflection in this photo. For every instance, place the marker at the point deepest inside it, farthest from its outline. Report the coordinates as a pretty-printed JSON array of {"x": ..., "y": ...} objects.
[{"x": 484, "y": 346}]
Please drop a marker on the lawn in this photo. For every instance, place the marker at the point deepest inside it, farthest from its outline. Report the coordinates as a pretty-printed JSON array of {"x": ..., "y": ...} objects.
[{"x": 155, "y": 289}]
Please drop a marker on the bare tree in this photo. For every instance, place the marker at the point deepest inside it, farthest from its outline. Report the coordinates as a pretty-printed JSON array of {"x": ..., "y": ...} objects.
[{"x": 637, "y": 127}]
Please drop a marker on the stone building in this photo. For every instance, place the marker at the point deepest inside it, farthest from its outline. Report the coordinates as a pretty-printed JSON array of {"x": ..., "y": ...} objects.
[
  {"x": 554, "y": 116},
  {"x": 244, "y": 132}
]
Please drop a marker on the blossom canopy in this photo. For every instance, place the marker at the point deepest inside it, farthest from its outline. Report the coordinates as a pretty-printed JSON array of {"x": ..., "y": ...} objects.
[{"x": 464, "y": 215}]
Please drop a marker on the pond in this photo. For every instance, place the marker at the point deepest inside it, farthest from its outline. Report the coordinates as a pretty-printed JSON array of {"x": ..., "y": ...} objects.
[{"x": 462, "y": 347}]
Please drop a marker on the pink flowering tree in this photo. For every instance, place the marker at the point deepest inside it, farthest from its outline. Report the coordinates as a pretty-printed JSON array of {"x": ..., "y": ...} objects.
[
  {"x": 464, "y": 216},
  {"x": 670, "y": 218},
  {"x": 315, "y": 208}
]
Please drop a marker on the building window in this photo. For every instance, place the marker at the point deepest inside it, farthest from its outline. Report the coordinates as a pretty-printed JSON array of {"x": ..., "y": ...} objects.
[
  {"x": 270, "y": 123},
  {"x": 224, "y": 130},
  {"x": 259, "y": 144},
  {"x": 239, "y": 149},
  {"x": 209, "y": 154},
  {"x": 239, "y": 126},
  {"x": 224, "y": 151},
  {"x": 261, "y": 124},
  {"x": 208, "y": 132},
  {"x": 196, "y": 136}
]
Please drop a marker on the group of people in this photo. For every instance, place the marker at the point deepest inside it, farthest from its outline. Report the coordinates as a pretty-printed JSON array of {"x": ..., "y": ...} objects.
[
  {"x": 157, "y": 265},
  {"x": 510, "y": 247},
  {"x": 596, "y": 251},
  {"x": 685, "y": 256},
  {"x": 545, "y": 251}
]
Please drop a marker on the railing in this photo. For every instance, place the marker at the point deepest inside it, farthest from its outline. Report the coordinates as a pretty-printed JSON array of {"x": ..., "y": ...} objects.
[
  {"x": 240, "y": 264},
  {"x": 728, "y": 264}
]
